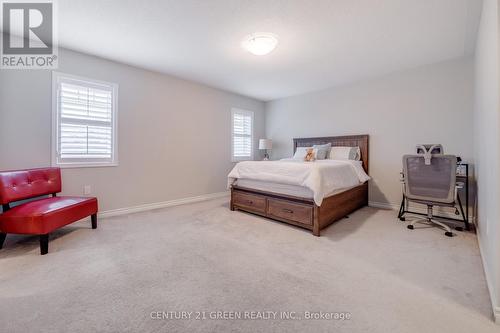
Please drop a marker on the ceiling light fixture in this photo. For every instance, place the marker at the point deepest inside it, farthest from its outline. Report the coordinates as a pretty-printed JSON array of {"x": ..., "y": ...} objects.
[{"x": 260, "y": 43}]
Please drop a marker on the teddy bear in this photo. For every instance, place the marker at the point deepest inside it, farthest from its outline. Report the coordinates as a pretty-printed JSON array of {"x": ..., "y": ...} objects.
[{"x": 310, "y": 155}]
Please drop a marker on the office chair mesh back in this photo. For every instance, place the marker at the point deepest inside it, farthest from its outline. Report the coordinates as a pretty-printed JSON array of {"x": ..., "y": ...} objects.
[{"x": 430, "y": 183}]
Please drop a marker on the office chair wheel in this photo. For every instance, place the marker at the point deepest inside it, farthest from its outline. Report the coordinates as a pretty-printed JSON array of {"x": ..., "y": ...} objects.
[
  {"x": 449, "y": 234},
  {"x": 402, "y": 219},
  {"x": 410, "y": 227},
  {"x": 459, "y": 229}
]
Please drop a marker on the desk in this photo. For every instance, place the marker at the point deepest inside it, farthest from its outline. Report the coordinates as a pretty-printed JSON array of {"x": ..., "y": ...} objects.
[{"x": 462, "y": 178}]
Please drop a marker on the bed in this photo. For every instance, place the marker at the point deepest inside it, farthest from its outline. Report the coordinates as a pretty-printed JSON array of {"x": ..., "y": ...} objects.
[{"x": 298, "y": 205}]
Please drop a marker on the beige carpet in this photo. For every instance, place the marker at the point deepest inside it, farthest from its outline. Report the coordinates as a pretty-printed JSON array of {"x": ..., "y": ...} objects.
[{"x": 203, "y": 257}]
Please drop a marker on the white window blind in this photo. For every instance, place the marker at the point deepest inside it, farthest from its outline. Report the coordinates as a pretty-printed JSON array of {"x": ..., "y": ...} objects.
[
  {"x": 242, "y": 135},
  {"x": 85, "y": 121}
]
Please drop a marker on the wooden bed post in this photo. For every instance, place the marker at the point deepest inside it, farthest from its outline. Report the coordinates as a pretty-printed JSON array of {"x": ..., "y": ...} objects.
[
  {"x": 316, "y": 228},
  {"x": 231, "y": 204}
]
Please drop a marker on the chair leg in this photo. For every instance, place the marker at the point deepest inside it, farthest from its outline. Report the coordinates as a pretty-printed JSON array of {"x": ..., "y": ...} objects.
[
  {"x": 2, "y": 239},
  {"x": 93, "y": 218},
  {"x": 44, "y": 244},
  {"x": 430, "y": 220},
  {"x": 444, "y": 226}
]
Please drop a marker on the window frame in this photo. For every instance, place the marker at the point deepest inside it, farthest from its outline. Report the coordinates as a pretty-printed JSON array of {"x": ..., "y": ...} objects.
[
  {"x": 244, "y": 158},
  {"x": 82, "y": 163}
]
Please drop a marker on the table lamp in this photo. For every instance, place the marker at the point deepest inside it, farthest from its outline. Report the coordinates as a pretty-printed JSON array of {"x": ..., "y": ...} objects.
[{"x": 266, "y": 144}]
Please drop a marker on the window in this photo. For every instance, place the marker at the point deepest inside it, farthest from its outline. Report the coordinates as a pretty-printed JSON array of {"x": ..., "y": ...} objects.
[
  {"x": 242, "y": 135},
  {"x": 84, "y": 130}
]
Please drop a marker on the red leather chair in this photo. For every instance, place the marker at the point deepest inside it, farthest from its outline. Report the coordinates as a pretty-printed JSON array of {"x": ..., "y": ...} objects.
[{"x": 44, "y": 215}]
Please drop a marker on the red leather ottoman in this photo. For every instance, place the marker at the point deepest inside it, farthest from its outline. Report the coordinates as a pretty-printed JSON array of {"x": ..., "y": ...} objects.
[{"x": 42, "y": 216}]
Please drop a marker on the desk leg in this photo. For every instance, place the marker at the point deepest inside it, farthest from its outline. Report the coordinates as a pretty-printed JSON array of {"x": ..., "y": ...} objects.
[
  {"x": 401, "y": 209},
  {"x": 467, "y": 197},
  {"x": 466, "y": 221},
  {"x": 467, "y": 204}
]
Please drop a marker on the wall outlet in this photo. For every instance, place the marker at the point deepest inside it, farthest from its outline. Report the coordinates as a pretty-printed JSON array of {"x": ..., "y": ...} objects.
[{"x": 87, "y": 190}]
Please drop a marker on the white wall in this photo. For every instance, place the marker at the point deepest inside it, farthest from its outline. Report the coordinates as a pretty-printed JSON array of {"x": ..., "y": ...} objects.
[
  {"x": 486, "y": 144},
  {"x": 430, "y": 104},
  {"x": 174, "y": 135}
]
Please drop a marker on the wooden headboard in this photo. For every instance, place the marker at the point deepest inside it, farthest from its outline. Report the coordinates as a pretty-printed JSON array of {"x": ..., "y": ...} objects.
[{"x": 360, "y": 141}]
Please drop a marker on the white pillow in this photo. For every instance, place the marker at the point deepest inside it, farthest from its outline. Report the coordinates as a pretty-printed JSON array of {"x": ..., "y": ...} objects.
[
  {"x": 345, "y": 153},
  {"x": 300, "y": 153}
]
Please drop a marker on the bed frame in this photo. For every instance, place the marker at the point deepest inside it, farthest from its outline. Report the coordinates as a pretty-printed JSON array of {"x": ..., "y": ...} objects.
[{"x": 304, "y": 212}]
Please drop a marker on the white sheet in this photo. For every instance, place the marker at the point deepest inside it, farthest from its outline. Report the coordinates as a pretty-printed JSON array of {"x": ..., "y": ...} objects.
[
  {"x": 287, "y": 189},
  {"x": 321, "y": 176}
]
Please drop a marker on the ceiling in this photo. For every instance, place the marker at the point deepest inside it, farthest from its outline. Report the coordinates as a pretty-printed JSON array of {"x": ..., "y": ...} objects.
[{"x": 322, "y": 43}]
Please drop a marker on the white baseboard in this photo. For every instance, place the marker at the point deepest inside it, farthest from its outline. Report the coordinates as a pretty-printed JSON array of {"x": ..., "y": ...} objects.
[
  {"x": 422, "y": 209},
  {"x": 495, "y": 307},
  {"x": 383, "y": 205},
  {"x": 157, "y": 205}
]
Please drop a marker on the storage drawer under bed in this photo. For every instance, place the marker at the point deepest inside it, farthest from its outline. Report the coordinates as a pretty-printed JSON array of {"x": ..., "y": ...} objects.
[
  {"x": 288, "y": 210},
  {"x": 250, "y": 201}
]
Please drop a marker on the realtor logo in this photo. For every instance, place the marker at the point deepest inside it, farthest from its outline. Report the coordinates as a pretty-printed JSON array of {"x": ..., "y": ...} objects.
[{"x": 28, "y": 35}]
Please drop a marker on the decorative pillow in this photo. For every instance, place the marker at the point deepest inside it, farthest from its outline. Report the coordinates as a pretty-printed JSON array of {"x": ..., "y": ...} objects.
[
  {"x": 323, "y": 151},
  {"x": 345, "y": 153},
  {"x": 356, "y": 153}
]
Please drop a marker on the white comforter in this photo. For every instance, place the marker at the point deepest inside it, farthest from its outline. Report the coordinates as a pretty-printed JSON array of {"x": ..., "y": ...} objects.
[{"x": 321, "y": 176}]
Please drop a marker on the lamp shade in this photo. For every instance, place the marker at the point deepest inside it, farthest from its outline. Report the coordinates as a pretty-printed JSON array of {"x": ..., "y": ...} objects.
[{"x": 265, "y": 144}]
